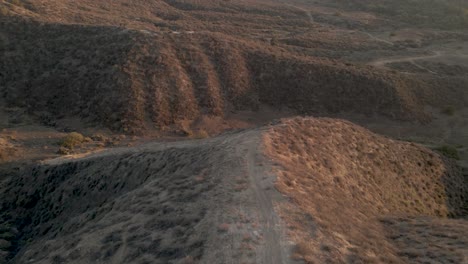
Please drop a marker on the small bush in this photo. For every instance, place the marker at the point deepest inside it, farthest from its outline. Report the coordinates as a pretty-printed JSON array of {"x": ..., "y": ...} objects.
[
  {"x": 199, "y": 134},
  {"x": 64, "y": 151},
  {"x": 72, "y": 140},
  {"x": 449, "y": 152},
  {"x": 100, "y": 138},
  {"x": 449, "y": 110},
  {"x": 3, "y": 11}
]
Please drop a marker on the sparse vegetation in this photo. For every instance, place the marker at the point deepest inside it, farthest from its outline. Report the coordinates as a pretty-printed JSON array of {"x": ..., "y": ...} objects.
[
  {"x": 414, "y": 186},
  {"x": 64, "y": 151},
  {"x": 3, "y": 10},
  {"x": 447, "y": 14},
  {"x": 449, "y": 152},
  {"x": 7, "y": 149},
  {"x": 200, "y": 134},
  {"x": 194, "y": 68},
  {"x": 100, "y": 137},
  {"x": 72, "y": 140}
]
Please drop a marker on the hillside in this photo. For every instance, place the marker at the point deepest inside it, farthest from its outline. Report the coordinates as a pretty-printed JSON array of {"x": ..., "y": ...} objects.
[
  {"x": 448, "y": 14},
  {"x": 130, "y": 74},
  {"x": 214, "y": 200},
  {"x": 360, "y": 191},
  {"x": 233, "y": 131}
]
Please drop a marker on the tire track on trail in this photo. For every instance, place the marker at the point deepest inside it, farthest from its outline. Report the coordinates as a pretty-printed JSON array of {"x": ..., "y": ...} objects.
[{"x": 276, "y": 249}]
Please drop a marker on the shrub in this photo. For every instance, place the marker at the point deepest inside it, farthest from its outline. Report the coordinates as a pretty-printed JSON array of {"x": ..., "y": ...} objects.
[
  {"x": 64, "y": 151},
  {"x": 72, "y": 140},
  {"x": 199, "y": 134},
  {"x": 449, "y": 152},
  {"x": 449, "y": 110},
  {"x": 100, "y": 137},
  {"x": 3, "y": 11},
  {"x": 16, "y": 3}
]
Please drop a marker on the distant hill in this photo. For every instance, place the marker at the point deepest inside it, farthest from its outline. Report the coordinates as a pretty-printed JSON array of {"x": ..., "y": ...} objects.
[{"x": 135, "y": 66}]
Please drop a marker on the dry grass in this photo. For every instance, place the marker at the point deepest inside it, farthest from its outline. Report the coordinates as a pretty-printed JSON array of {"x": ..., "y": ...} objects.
[
  {"x": 342, "y": 177},
  {"x": 149, "y": 77},
  {"x": 3, "y": 10},
  {"x": 72, "y": 140},
  {"x": 8, "y": 150},
  {"x": 200, "y": 134}
]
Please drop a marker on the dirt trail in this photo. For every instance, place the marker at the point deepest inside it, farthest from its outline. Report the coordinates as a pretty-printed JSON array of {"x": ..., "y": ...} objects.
[
  {"x": 412, "y": 59},
  {"x": 255, "y": 233},
  {"x": 276, "y": 249},
  {"x": 378, "y": 39},
  {"x": 306, "y": 11}
]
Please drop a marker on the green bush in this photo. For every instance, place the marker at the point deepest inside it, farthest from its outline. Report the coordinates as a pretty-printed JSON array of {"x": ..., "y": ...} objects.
[
  {"x": 449, "y": 152},
  {"x": 72, "y": 140}
]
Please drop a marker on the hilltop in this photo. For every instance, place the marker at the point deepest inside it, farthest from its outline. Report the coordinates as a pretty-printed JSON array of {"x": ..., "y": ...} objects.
[{"x": 215, "y": 199}]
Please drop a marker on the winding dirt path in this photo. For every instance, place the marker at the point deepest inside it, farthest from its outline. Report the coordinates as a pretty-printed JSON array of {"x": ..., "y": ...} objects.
[
  {"x": 245, "y": 148},
  {"x": 411, "y": 59},
  {"x": 383, "y": 61},
  {"x": 306, "y": 11},
  {"x": 377, "y": 38}
]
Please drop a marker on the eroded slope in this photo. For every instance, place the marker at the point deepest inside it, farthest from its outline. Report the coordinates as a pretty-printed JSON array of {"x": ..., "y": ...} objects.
[
  {"x": 353, "y": 196},
  {"x": 103, "y": 64},
  {"x": 206, "y": 201},
  {"x": 344, "y": 180}
]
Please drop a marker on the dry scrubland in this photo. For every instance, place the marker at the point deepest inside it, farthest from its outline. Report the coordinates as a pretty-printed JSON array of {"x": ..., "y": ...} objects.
[
  {"x": 300, "y": 190},
  {"x": 182, "y": 60},
  {"x": 360, "y": 193},
  {"x": 128, "y": 80},
  {"x": 207, "y": 201},
  {"x": 367, "y": 199}
]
